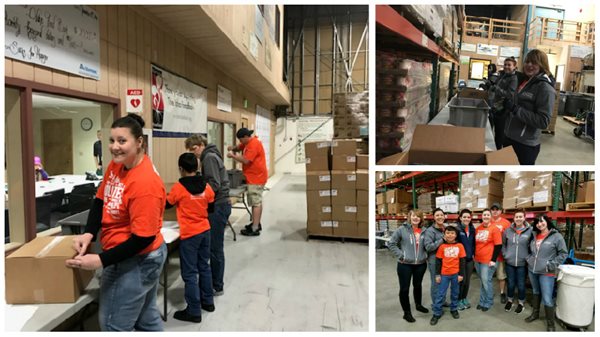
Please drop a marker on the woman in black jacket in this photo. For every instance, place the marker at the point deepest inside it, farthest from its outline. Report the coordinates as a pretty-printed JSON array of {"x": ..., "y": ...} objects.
[{"x": 466, "y": 236}]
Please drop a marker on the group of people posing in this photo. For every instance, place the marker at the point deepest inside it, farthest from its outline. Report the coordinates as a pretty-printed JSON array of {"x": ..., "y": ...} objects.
[
  {"x": 127, "y": 216},
  {"x": 521, "y": 104},
  {"x": 452, "y": 251}
]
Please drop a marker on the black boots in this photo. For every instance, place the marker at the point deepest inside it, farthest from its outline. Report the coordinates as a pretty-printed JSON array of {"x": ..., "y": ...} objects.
[
  {"x": 535, "y": 303},
  {"x": 549, "y": 318},
  {"x": 408, "y": 317}
]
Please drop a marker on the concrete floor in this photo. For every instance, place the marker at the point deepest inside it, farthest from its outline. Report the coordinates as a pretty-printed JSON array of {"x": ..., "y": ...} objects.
[
  {"x": 388, "y": 312},
  {"x": 278, "y": 281},
  {"x": 564, "y": 148}
]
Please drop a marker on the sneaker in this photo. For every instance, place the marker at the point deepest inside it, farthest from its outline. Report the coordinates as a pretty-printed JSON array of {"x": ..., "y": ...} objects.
[
  {"x": 250, "y": 232},
  {"x": 508, "y": 306},
  {"x": 467, "y": 304},
  {"x": 249, "y": 226},
  {"x": 519, "y": 309},
  {"x": 461, "y": 305},
  {"x": 503, "y": 298},
  {"x": 479, "y": 307},
  {"x": 218, "y": 292},
  {"x": 422, "y": 309},
  {"x": 455, "y": 314},
  {"x": 484, "y": 309},
  {"x": 409, "y": 318},
  {"x": 434, "y": 320},
  {"x": 208, "y": 307},
  {"x": 183, "y": 315}
]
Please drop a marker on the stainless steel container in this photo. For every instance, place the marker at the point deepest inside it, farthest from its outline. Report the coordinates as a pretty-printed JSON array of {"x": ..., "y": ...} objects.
[{"x": 470, "y": 112}]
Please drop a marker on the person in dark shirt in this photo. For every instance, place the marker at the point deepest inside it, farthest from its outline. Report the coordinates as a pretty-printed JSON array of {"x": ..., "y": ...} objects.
[{"x": 98, "y": 152}]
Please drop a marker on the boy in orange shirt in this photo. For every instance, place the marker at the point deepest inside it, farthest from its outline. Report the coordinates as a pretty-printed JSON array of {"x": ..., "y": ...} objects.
[
  {"x": 192, "y": 196},
  {"x": 450, "y": 270}
]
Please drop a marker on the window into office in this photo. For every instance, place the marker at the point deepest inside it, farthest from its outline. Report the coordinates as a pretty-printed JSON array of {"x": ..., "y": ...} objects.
[
  {"x": 478, "y": 69},
  {"x": 222, "y": 135}
]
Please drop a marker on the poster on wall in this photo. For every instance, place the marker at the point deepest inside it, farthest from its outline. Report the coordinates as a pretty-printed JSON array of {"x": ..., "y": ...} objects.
[
  {"x": 311, "y": 129},
  {"x": 464, "y": 59},
  {"x": 510, "y": 51},
  {"x": 487, "y": 49},
  {"x": 468, "y": 47},
  {"x": 262, "y": 129},
  {"x": 66, "y": 38},
  {"x": 179, "y": 107},
  {"x": 580, "y": 51},
  {"x": 223, "y": 98}
]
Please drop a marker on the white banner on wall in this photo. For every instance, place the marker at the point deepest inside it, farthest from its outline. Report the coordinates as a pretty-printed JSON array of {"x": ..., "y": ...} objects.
[
  {"x": 223, "y": 98},
  {"x": 263, "y": 130},
  {"x": 510, "y": 51},
  {"x": 468, "y": 47},
  {"x": 66, "y": 38},
  {"x": 487, "y": 49},
  {"x": 311, "y": 129},
  {"x": 581, "y": 51},
  {"x": 179, "y": 107}
]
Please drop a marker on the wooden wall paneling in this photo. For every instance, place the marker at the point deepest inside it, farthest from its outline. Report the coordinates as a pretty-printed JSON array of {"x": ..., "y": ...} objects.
[
  {"x": 42, "y": 74},
  {"x": 75, "y": 82},
  {"x": 154, "y": 44},
  {"x": 112, "y": 24},
  {"x": 113, "y": 70},
  {"x": 131, "y": 30},
  {"x": 147, "y": 47},
  {"x": 23, "y": 70},
  {"x": 169, "y": 45},
  {"x": 8, "y": 67},
  {"x": 122, "y": 25},
  {"x": 161, "y": 52},
  {"x": 132, "y": 80},
  {"x": 90, "y": 85},
  {"x": 60, "y": 79},
  {"x": 102, "y": 21},
  {"x": 102, "y": 85},
  {"x": 139, "y": 41},
  {"x": 122, "y": 78},
  {"x": 141, "y": 80}
]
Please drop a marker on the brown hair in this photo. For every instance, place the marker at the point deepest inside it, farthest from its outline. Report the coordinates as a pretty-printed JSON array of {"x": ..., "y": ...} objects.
[
  {"x": 540, "y": 58},
  {"x": 520, "y": 210},
  {"x": 418, "y": 213},
  {"x": 193, "y": 140},
  {"x": 511, "y": 59}
]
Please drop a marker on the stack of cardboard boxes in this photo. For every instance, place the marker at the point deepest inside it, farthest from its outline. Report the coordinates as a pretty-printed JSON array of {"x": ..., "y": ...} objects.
[
  {"x": 585, "y": 192},
  {"x": 351, "y": 115},
  {"x": 397, "y": 201},
  {"x": 448, "y": 203},
  {"x": 337, "y": 194},
  {"x": 426, "y": 201},
  {"x": 528, "y": 189},
  {"x": 479, "y": 190}
]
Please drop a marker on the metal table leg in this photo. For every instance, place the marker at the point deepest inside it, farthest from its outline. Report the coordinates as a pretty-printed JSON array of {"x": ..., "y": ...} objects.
[{"x": 231, "y": 227}]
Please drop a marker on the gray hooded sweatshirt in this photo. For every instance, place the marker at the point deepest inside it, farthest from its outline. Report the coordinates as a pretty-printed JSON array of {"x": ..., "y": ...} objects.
[
  {"x": 551, "y": 254},
  {"x": 515, "y": 246},
  {"x": 534, "y": 108},
  {"x": 213, "y": 170},
  {"x": 403, "y": 244},
  {"x": 433, "y": 237}
]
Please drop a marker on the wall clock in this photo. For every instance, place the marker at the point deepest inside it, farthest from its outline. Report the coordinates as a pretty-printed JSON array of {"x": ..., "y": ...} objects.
[{"x": 87, "y": 124}]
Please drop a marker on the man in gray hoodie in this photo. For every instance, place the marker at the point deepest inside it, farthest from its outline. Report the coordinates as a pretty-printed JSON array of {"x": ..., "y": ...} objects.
[{"x": 214, "y": 172}]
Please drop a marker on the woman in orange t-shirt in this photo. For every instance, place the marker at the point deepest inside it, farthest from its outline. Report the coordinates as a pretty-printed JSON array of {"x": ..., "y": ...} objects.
[
  {"x": 488, "y": 244},
  {"x": 128, "y": 209}
]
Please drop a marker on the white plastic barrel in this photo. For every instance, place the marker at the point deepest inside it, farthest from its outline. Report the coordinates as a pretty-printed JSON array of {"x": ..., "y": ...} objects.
[{"x": 575, "y": 299}]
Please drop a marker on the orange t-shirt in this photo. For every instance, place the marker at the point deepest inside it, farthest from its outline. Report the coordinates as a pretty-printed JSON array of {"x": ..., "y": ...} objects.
[
  {"x": 485, "y": 240},
  {"x": 450, "y": 253},
  {"x": 134, "y": 203},
  {"x": 256, "y": 170},
  {"x": 502, "y": 225},
  {"x": 192, "y": 210}
]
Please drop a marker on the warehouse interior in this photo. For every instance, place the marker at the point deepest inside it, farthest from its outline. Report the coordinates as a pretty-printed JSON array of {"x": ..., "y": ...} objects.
[
  {"x": 566, "y": 197},
  {"x": 433, "y": 59},
  {"x": 296, "y": 75}
]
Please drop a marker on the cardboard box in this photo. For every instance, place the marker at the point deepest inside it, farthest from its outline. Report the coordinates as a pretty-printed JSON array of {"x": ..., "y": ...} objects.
[
  {"x": 318, "y": 198},
  {"x": 318, "y": 212},
  {"x": 397, "y": 208},
  {"x": 509, "y": 203},
  {"x": 345, "y": 229},
  {"x": 343, "y": 180},
  {"x": 318, "y": 180},
  {"x": 343, "y": 197},
  {"x": 396, "y": 196},
  {"x": 36, "y": 272},
  {"x": 344, "y": 147},
  {"x": 380, "y": 198},
  {"x": 316, "y": 227},
  {"x": 362, "y": 230},
  {"x": 542, "y": 197},
  {"x": 362, "y": 180},
  {"x": 382, "y": 209},
  {"x": 524, "y": 202},
  {"x": 450, "y": 208},
  {"x": 362, "y": 161},
  {"x": 362, "y": 213},
  {"x": 343, "y": 163},
  {"x": 585, "y": 192},
  {"x": 362, "y": 198},
  {"x": 486, "y": 200},
  {"x": 379, "y": 177},
  {"x": 431, "y": 146},
  {"x": 344, "y": 212},
  {"x": 317, "y": 149},
  {"x": 317, "y": 163}
]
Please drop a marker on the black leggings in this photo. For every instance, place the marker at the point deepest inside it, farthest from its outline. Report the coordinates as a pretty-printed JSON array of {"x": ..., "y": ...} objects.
[
  {"x": 525, "y": 153},
  {"x": 405, "y": 273},
  {"x": 466, "y": 282}
]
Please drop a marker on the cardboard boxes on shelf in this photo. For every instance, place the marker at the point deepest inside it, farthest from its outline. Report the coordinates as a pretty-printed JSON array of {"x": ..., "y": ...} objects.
[
  {"x": 448, "y": 203},
  {"x": 528, "y": 189},
  {"x": 36, "y": 272},
  {"x": 351, "y": 114},
  {"x": 585, "y": 192},
  {"x": 426, "y": 201},
  {"x": 479, "y": 190}
]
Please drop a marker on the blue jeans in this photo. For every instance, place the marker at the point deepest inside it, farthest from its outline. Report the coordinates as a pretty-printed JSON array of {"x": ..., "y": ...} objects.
[
  {"x": 486, "y": 274},
  {"x": 194, "y": 254},
  {"x": 128, "y": 293},
  {"x": 447, "y": 280},
  {"x": 545, "y": 285},
  {"x": 516, "y": 277},
  {"x": 218, "y": 221},
  {"x": 433, "y": 291}
]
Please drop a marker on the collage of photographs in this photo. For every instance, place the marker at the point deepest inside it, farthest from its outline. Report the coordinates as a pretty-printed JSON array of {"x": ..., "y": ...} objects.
[{"x": 351, "y": 167}]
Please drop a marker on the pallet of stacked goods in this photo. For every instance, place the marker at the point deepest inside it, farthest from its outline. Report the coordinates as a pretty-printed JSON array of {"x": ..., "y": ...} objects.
[
  {"x": 448, "y": 203},
  {"x": 398, "y": 201},
  {"x": 530, "y": 190},
  {"x": 351, "y": 115},
  {"x": 318, "y": 188},
  {"x": 426, "y": 201},
  {"x": 403, "y": 98}
]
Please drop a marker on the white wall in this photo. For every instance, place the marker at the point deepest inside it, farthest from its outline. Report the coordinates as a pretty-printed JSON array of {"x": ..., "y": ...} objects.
[
  {"x": 286, "y": 138},
  {"x": 83, "y": 141}
]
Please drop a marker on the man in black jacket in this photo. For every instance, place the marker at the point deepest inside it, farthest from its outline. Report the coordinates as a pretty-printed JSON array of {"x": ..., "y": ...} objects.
[{"x": 504, "y": 88}]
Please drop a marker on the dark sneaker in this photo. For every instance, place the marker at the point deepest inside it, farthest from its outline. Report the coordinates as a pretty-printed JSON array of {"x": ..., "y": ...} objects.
[
  {"x": 409, "y": 318},
  {"x": 479, "y": 307},
  {"x": 508, "y": 306},
  {"x": 455, "y": 314},
  {"x": 422, "y": 309},
  {"x": 519, "y": 309},
  {"x": 434, "y": 320},
  {"x": 208, "y": 307},
  {"x": 218, "y": 292},
  {"x": 503, "y": 298},
  {"x": 249, "y": 226},
  {"x": 484, "y": 309},
  {"x": 250, "y": 232},
  {"x": 183, "y": 315}
]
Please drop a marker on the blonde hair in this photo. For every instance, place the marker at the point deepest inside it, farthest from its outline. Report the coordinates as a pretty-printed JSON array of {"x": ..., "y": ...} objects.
[
  {"x": 418, "y": 213},
  {"x": 539, "y": 58}
]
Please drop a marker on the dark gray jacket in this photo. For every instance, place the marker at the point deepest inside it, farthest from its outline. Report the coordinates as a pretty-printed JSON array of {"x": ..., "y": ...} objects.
[
  {"x": 506, "y": 87},
  {"x": 403, "y": 245},
  {"x": 534, "y": 108},
  {"x": 213, "y": 170},
  {"x": 515, "y": 246},
  {"x": 552, "y": 253},
  {"x": 433, "y": 237}
]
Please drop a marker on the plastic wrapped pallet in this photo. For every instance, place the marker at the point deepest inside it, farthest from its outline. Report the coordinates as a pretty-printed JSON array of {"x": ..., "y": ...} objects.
[{"x": 351, "y": 114}]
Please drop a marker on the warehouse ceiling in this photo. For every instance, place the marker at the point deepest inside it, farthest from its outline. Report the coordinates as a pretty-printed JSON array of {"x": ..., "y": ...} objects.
[
  {"x": 204, "y": 37},
  {"x": 489, "y": 11}
]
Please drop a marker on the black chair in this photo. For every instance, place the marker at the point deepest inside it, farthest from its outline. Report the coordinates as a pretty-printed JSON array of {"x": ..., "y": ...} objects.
[
  {"x": 58, "y": 197},
  {"x": 81, "y": 198},
  {"x": 43, "y": 212},
  {"x": 6, "y": 227},
  {"x": 84, "y": 188},
  {"x": 74, "y": 224}
]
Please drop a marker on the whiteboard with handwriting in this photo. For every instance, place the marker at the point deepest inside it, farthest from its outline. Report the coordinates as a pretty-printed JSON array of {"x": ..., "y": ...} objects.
[{"x": 65, "y": 37}]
